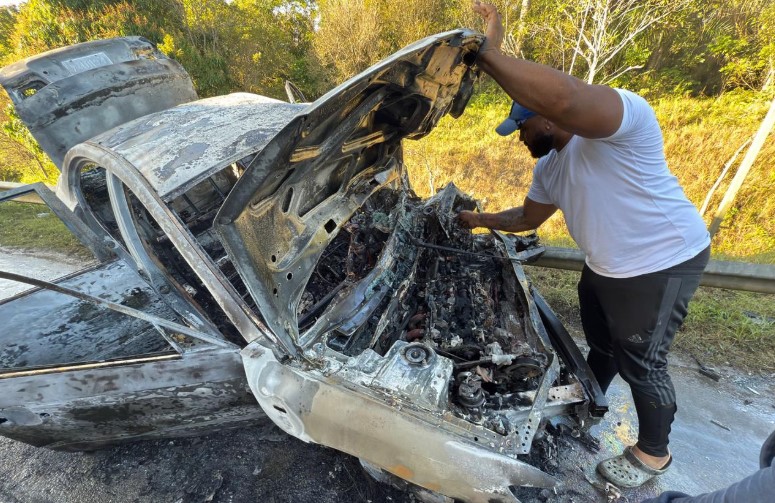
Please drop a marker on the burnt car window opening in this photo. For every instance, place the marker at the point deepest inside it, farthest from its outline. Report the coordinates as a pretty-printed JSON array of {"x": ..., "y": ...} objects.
[
  {"x": 196, "y": 211},
  {"x": 98, "y": 206},
  {"x": 33, "y": 239},
  {"x": 93, "y": 194}
]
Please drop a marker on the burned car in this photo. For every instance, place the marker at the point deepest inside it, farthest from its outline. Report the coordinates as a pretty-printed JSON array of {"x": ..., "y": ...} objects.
[{"x": 254, "y": 257}]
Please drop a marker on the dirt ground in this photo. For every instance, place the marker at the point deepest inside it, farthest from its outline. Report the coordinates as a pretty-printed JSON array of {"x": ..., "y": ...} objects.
[{"x": 261, "y": 464}]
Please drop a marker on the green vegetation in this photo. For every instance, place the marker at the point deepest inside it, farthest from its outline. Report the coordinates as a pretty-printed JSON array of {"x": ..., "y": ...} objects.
[
  {"x": 723, "y": 327},
  {"x": 33, "y": 227}
]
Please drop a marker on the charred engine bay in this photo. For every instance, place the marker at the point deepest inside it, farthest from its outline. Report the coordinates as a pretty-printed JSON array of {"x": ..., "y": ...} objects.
[{"x": 452, "y": 290}]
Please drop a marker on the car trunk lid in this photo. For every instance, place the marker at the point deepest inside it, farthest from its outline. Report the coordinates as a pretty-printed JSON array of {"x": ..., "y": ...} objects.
[{"x": 69, "y": 95}]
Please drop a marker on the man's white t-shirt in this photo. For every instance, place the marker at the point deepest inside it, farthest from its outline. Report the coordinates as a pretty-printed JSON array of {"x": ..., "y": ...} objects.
[{"x": 622, "y": 205}]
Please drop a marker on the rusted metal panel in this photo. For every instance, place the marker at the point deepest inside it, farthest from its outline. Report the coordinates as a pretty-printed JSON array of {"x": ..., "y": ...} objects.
[
  {"x": 177, "y": 148},
  {"x": 458, "y": 459},
  {"x": 69, "y": 95},
  {"x": 571, "y": 355}
]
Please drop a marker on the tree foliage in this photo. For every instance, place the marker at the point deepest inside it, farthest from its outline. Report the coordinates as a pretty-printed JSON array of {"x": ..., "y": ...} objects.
[
  {"x": 41, "y": 25},
  {"x": 248, "y": 45},
  {"x": 24, "y": 159},
  {"x": 272, "y": 44},
  {"x": 659, "y": 46},
  {"x": 349, "y": 37},
  {"x": 601, "y": 30},
  {"x": 354, "y": 34},
  {"x": 656, "y": 47},
  {"x": 7, "y": 21}
]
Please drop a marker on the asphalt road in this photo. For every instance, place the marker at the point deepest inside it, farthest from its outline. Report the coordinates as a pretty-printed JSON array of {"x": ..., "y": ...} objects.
[
  {"x": 45, "y": 267},
  {"x": 263, "y": 464}
]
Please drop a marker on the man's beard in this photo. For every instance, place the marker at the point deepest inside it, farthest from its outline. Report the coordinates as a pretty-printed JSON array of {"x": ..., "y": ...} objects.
[{"x": 541, "y": 145}]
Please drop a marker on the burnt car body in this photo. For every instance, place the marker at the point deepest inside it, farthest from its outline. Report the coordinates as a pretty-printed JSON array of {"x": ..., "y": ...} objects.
[{"x": 287, "y": 236}]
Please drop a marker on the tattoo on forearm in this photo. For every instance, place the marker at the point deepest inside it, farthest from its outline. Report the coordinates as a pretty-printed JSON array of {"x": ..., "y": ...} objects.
[{"x": 512, "y": 220}]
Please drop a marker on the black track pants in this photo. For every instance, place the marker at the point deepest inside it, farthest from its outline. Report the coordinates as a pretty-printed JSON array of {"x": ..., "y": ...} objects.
[{"x": 629, "y": 324}]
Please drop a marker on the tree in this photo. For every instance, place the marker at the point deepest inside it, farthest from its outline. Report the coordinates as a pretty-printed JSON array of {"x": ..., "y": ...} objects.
[
  {"x": 710, "y": 46},
  {"x": 42, "y": 25},
  {"x": 603, "y": 29},
  {"x": 276, "y": 45},
  {"x": 746, "y": 48},
  {"x": 7, "y": 20},
  {"x": 200, "y": 38},
  {"x": 298, "y": 19},
  {"x": 349, "y": 38},
  {"x": 514, "y": 15},
  {"x": 18, "y": 140},
  {"x": 357, "y": 33},
  {"x": 767, "y": 53},
  {"x": 183, "y": 29}
]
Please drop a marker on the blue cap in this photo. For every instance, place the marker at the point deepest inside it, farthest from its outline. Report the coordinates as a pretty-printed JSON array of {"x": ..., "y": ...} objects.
[{"x": 517, "y": 116}]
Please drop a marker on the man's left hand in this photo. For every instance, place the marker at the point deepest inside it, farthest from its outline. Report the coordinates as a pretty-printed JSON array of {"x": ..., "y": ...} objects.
[{"x": 468, "y": 219}]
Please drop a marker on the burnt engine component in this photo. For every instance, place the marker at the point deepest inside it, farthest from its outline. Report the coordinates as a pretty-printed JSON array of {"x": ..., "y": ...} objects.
[
  {"x": 470, "y": 393},
  {"x": 417, "y": 354},
  {"x": 454, "y": 292}
]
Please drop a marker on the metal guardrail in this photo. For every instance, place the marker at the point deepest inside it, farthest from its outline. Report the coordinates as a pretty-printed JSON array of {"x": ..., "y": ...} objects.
[
  {"x": 26, "y": 198},
  {"x": 718, "y": 274}
]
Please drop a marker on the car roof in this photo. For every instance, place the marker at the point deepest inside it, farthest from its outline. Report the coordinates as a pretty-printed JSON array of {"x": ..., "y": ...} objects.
[{"x": 176, "y": 148}]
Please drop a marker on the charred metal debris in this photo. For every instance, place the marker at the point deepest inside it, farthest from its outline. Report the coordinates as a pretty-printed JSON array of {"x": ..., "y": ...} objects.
[{"x": 455, "y": 297}]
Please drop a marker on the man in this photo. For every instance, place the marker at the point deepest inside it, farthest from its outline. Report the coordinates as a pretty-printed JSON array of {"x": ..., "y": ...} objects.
[{"x": 601, "y": 162}]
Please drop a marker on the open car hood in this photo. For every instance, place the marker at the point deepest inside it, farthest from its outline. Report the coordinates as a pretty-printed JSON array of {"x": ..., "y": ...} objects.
[
  {"x": 69, "y": 95},
  {"x": 310, "y": 179}
]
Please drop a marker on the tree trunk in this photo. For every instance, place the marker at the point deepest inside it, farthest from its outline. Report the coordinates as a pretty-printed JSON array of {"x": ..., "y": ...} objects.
[
  {"x": 745, "y": 167},
  {"x": 521, "y": 26},
  {"x": 577, "y": 49},
  {"x": 769, "y": 80},
  {"x": 721, "y": 176},
  {"x": 662, "y": 47}
]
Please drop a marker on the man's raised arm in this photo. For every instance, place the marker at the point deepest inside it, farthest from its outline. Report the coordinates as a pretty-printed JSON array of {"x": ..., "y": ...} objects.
[{"x": 591, "y": 111}]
